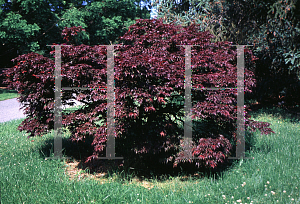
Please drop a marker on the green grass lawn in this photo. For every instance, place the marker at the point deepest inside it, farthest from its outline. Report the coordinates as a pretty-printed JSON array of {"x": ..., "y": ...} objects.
[
  {"x": 271, "y": 177},
  {"x": 7, "y": 94}
]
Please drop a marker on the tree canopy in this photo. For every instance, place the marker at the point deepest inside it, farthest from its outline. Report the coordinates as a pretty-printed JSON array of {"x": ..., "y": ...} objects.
[
  {"x": 29, "y": 25},
  {"x": 271, "y": 26}
]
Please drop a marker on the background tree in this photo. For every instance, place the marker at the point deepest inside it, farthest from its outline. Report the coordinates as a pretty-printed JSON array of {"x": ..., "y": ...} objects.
[
  {"x": 271, "y": 26},
  {"x": 29, "y": 25},
  {"x": 38, "y": 22}
]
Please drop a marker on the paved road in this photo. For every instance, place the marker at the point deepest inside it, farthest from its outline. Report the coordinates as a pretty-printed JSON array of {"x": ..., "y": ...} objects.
[{"x": 10, "y": 110}]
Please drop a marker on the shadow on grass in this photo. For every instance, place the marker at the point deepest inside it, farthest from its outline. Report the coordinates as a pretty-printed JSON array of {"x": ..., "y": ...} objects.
[
  {"x": 7, "y": 94},
  {"x": 144, "y": 165},
  {"x": 289, "y": 113},
  {"x": 76, "y": 151},
  {"x": 135, "y": 166},
  {"x": 4, "y": 91}
]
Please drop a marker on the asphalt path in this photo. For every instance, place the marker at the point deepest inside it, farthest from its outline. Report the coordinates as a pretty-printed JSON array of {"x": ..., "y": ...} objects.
[{"x": 10, "y": 109}]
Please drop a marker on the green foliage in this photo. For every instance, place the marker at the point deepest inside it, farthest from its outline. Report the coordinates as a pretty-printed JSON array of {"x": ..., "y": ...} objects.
[
  {"x": 15, "y": 30},
  {"x": 186, "y": 12},
  {"x": 72, "y": 17},
  {"x": 272, "y": 26},
  {"x": 39, "y": 12},
  {"x": 104, "y": 21},
  {"x": 110, "y": 19},
  {"x": 8, "y": 94},
  {"x": 75, "y": 17},
  {"x": 292, "y": 58},
  {"x": 30, "y": 25},
  {"x": 15, "y": 33}
]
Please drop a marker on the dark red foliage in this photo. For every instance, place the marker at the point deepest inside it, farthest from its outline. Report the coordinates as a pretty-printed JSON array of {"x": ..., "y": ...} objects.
[
  {"x": 68, "y": 34},
  {"x": 212, "y": 151},
  {"x": 149, "y": 78}
]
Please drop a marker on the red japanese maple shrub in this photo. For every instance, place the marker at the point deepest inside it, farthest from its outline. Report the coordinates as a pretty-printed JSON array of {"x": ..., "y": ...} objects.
[{"x": 149, "y": 94}]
